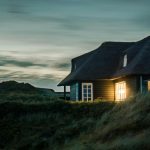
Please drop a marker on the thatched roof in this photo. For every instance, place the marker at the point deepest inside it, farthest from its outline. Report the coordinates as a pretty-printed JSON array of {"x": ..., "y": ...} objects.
[
  {"x": 138, "y": 59},
  {"x": 106, "y": 62}
]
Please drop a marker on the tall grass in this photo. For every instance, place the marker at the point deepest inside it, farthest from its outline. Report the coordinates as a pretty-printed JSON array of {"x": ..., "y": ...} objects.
[
  {"x": 125, "y": 127},
  {"x": 27, "y": 98},
  {"x": 84, "y": 126},
  {"x": 29, "y": 126}
]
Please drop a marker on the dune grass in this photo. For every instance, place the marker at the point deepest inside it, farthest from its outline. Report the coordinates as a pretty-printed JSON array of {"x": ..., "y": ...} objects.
[
  {"x": 125, "y": 127},
  {"x": 65, "y": 125}
]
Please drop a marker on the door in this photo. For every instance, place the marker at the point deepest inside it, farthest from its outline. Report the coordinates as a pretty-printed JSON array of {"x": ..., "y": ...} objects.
[
  {"x": 87, "y": 92},
  {"x": 120, "y": 91}
]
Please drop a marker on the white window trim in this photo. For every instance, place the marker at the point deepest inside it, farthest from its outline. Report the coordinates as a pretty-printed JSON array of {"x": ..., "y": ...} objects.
[{"x": 87, "y": 94}]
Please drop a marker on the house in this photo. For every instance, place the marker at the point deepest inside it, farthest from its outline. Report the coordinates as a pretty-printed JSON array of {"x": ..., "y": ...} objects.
[{"x": 114, "y": 71}]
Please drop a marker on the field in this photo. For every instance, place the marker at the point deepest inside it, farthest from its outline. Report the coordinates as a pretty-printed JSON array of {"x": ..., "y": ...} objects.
[{"x": 56, "y": 124}]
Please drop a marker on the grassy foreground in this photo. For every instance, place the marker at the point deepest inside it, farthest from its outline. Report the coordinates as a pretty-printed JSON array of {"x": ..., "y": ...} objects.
[{"x": 62, "y": 125}]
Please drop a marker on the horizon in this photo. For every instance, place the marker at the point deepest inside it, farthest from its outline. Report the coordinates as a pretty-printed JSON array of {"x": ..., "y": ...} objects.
[{"x": 38, "y": 39}]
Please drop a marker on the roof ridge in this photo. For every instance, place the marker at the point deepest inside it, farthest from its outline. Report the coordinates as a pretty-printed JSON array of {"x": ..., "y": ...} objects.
[
  {"x": 114, "y": 42},
  {"x": 144, "y": 39}
]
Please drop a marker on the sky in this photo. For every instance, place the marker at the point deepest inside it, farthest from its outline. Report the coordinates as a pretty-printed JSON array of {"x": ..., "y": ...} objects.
[{"x": 38, "y": 38}]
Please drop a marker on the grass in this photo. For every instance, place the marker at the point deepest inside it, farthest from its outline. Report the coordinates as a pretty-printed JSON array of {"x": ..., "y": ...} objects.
[
  {"x": 55, "y": 125},
  {"x": 26, "y": 98}
]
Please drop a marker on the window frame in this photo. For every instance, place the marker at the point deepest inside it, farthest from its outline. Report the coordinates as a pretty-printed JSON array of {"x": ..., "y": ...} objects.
[{"x": 88, "y": 98}]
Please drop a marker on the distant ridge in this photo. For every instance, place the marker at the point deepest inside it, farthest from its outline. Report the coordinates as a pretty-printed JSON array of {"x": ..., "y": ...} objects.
[{"x": 13, "y": 86}]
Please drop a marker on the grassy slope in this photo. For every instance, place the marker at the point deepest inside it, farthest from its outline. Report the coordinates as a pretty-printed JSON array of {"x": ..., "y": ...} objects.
[
  {"x": 71, "y": 126},
  {"x": 47, "y": 125},
  {"x": 125, "y": 127}
]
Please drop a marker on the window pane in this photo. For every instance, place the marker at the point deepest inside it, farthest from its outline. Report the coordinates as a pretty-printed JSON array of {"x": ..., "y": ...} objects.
[
  {"x": 85, "y": 94},
  {"x": 89, "y": 91},
  {"x": 84, "y": 86},
  {"x": 85, "y": 91},
  {"x": 89, "y": 86},
  {"x": 89, "y": 97}
]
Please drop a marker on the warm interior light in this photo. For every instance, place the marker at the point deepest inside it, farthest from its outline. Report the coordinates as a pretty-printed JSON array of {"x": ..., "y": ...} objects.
[
  {"x": 120, "y": 89},
  {"x": 148, "y": 85}
]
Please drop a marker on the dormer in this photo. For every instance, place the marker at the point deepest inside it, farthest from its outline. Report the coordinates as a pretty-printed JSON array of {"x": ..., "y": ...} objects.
[{"x": 125, "y": 60}]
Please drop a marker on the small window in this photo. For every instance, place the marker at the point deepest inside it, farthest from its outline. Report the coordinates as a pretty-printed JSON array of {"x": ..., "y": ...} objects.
[{"x": 125, "y": 61}]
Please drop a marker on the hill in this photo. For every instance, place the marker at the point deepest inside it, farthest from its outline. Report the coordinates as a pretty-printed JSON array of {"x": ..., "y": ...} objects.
[
  {"x": 13, "y": 86},
  {"x": 69, "y": 126},
  {"x": 14, "y": 91}
]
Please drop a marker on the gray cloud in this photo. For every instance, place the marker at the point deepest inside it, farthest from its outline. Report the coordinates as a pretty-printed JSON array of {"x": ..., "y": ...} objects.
[
  {"x": 9, "y": 61},
  {"x": 62, "y": 65},
  {"x": 53, "y": 29},
  {"x": 18, "y": 75},
  {"x": 16, "y": 8}
]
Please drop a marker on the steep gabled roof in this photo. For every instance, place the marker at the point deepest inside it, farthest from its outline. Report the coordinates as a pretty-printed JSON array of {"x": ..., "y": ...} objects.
[
  {"x": 100, "y": 63},
  {"x": 106, "y": 62}
]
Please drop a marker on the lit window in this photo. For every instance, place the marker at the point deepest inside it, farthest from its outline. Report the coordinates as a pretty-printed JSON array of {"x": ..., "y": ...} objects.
[
  {"x": 120, "y": 89},
  {"x": 148, "y": 85},
  {"x": 125, "y": 61},
  {"x": 87, "y": 91}
]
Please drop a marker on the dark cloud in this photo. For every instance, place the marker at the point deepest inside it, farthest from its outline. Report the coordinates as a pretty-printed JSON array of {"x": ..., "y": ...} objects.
[
  {"x": 19, "y": 75},
  {"x": 49, "y": 77},
  {"x": 62, "y": 65},
  {"x": 8, "y": 61},
  {"x": 16, "y": 7},
  {"x": 65, "y": 28}
]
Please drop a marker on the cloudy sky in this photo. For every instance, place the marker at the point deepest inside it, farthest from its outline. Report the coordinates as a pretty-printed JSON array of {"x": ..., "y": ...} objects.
[{"x": 38, "y": 38}]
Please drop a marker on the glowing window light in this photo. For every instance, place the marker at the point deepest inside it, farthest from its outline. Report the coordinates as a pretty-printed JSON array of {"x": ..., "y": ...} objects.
[
  {"x": 148, "y": 85},
  {"x": 120, "y": 90}
]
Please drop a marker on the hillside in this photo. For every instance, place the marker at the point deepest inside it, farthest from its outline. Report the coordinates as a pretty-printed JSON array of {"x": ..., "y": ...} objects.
[
  {"x": 20, "y": 92},
  {"x": 76, "y": 126},
  {"x": 13, "y": 86}
]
